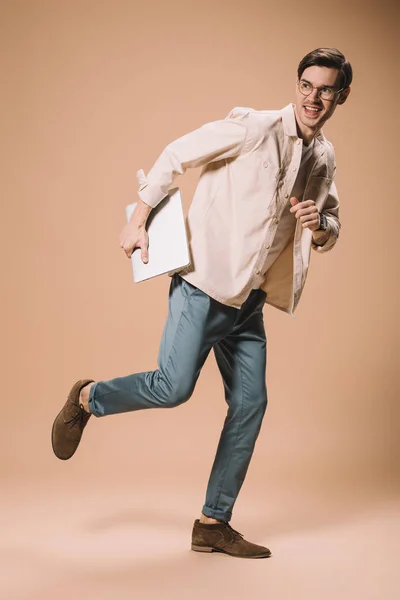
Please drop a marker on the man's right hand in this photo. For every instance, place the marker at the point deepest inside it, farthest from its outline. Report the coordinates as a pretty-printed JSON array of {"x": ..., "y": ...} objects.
[
  {"x": 133, "y": 237},
  {"x": 134, "y": 234}
]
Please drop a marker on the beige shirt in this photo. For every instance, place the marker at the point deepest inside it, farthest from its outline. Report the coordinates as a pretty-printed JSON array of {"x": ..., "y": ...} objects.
[{"x": 250, "y": 161}]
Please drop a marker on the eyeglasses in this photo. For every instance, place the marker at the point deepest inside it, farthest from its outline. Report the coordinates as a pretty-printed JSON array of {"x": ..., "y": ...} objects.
[{"x": 324, "y": 92}]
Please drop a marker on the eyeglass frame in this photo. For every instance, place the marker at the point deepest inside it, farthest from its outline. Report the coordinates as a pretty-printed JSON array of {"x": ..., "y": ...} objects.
[{"x": 318, "y": 89}]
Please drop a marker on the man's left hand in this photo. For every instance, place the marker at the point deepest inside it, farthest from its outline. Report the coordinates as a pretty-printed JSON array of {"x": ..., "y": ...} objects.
[{"x": 307, "y": 212}]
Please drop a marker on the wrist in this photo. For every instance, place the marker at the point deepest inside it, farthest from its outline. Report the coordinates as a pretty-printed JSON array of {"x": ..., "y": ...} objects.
[
  {"x": 323, "y": 223},
  {"x": 140, "y": 214}
]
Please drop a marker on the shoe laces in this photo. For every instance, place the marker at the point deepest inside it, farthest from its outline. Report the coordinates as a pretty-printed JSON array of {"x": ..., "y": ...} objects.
[
  {"x": 79, "y": 416},
  {"x": 237, "y": 536}
]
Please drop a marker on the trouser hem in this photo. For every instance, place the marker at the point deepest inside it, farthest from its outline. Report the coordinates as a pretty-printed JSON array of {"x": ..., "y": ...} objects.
[
  {"x": 216, "y": 514},
  {"x": 92, "y": 403}
]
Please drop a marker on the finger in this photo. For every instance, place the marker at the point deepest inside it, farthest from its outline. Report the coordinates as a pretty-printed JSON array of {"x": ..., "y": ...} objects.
[
  {"x": 295, "y": 204},
  {"x": 313, "y": 223},
  {"x": 307, "y": 211},
  {"x": 144, "y": 251},
  {"x": 309, "y": 218},
  {"x": 307, "y": 203},
  {"x": 306, "y": 216},
  {"x": 127, "y": 249},
  {"x": 305, "y": 207}
]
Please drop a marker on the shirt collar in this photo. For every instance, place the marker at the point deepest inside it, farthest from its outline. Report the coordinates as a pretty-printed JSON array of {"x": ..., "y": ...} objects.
[{"x": 289, "y": 121}]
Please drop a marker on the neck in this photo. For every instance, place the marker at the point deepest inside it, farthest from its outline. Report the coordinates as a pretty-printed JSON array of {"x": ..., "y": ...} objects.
[{"x": 305, "y": 133}]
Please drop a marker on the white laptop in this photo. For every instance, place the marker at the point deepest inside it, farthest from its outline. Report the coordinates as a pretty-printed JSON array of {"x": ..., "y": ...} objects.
[{"x": 168, "y": 245}]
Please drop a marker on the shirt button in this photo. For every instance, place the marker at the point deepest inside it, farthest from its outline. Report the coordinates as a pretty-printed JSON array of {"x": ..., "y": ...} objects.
[
  {"x": 286, "y": 195},
  {"x": 257, "y": 272},
  {"x": 294, "y": 169},
  {"x": 298, "y": 142},
  {"x": 265, "y": 164},
  {"x": 267, "y": 246},
  {"x": 276, "y": 220}
]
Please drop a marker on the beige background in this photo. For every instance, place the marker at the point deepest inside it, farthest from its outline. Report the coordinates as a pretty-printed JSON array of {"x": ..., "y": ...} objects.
[{"x": 91, "y": 92}]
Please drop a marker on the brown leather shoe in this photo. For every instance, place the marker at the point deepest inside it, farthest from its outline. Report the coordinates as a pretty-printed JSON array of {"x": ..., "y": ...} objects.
[
  {"x": 70, "y": 423},
  {"x": 220, "y": 537}
]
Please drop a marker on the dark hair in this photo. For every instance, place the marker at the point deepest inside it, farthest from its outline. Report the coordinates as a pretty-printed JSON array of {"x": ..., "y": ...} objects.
[{"x": 328, "y": 57}]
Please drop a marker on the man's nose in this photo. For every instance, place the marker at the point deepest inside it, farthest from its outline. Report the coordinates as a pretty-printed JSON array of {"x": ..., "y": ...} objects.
[{"x": 314, "y": 94}]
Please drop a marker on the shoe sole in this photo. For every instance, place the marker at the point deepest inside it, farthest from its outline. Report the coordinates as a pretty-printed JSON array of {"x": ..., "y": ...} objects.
[
  {"x": 211, "y": 549},
  {"x": 52, "y": 440}
]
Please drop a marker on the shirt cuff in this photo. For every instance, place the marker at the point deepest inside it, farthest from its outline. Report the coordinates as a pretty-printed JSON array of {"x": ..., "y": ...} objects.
[{"x": 150, "y": 195}]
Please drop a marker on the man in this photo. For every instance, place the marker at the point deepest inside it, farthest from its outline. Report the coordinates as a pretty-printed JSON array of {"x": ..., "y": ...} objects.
[{"x": 264, "y": 199}]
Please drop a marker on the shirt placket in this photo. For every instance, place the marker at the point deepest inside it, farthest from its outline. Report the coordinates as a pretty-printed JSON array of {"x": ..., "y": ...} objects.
[{"x": 284, "y": 187}]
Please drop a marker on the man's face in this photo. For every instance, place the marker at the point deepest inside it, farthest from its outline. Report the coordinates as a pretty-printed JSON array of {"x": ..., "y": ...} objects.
[{"x": 313, "y": 111}]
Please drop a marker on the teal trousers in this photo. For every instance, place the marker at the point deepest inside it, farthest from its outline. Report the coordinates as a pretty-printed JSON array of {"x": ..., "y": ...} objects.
[{"x": 197, "y": 323}]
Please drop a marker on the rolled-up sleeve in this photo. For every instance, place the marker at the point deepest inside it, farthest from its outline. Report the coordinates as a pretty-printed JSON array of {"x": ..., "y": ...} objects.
[
  {"x": 211, "y": 142},
  {"x": 322, "y": 241}
]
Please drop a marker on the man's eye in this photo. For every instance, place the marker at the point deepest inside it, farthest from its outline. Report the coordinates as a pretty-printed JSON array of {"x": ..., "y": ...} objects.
[
  {"x": 305, "y": 85},
  {"x": 326, "y": 90}
]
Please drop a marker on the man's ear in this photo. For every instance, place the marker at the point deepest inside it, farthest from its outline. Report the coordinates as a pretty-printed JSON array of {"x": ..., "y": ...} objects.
[{"x": 343, "y": 95}]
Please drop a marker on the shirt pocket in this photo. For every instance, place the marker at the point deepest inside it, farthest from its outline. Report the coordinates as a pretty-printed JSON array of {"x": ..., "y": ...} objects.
[
  {"x": 264, "y": 177},
  {"x": 269, "y": 168}
]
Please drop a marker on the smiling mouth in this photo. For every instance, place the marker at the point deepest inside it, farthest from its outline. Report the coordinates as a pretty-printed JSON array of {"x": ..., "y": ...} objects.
[{"x": 312, "y": 111}]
